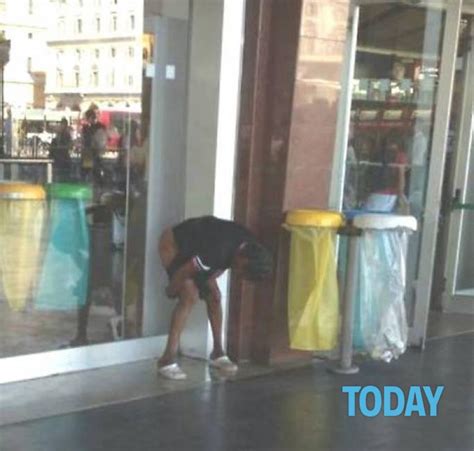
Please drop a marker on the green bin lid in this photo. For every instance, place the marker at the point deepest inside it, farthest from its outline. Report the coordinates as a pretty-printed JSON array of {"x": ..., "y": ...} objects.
[{"x": 69, "y": 191}]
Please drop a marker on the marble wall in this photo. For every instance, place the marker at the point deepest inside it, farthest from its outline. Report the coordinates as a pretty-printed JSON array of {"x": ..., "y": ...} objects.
[
  {"x": 293, "y": 55},
  {"x": 322, "y": 37}
]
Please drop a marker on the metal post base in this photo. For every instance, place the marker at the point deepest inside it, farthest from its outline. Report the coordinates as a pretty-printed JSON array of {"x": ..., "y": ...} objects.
[
  {"x": 345, "y": 365},
  {"x": 336, "y": 368}
]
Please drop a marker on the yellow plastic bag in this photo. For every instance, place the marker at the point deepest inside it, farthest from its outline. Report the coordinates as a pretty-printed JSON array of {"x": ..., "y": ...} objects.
[
  {"x": 21, "y": 227},
  {"x": 313, "y": 295}
]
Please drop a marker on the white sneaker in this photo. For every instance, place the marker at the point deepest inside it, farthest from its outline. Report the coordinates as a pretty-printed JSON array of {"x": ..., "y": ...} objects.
[
  {"x": 224, "y": 363},
  {"x": 172, "y": 372}
]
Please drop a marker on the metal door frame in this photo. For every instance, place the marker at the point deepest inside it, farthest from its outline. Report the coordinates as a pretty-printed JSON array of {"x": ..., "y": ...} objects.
[
  {"x": 338, "y": 172},
  {"x": 417, "y": 333},
  {"x": 452, "y": 301},
  {"x": 453, "y": 8}
]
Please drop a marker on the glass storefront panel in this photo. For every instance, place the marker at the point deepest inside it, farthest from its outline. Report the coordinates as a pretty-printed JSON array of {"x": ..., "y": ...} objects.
[
  {"x": 453, "y": 243},
  {"x": 394, "y": 88},
  {"x": 464, "y": 284},
  {"x": 462, "y": 124},
  {"x": 74, "y": 165}
]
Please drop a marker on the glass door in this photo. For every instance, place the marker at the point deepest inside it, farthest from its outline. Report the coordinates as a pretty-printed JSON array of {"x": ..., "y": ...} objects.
[
  {"x": 459, "y": 266},
  {"x": 74, "y": 287},
  {"x": 392, "y": 150},
  {"x": 114, "y": 98}
]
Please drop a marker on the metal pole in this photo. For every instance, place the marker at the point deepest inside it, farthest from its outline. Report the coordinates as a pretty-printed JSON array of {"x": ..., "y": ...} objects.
[
  {"x": 2, "y": 150},
  {"x": 4, "y": 58},
  {"x": 49, "y": 172},
  {"x": 345, "y": 365}
]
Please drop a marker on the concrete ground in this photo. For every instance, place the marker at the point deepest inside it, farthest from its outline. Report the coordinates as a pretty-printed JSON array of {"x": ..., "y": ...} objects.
[
  {"x": 83, "y": 390},
  {"x": 296, "y": 409},
  {"x": 31, "y": 331}
]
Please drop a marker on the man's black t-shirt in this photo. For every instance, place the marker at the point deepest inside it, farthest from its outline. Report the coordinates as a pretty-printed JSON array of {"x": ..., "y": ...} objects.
[{"x": 212, "y": 242}]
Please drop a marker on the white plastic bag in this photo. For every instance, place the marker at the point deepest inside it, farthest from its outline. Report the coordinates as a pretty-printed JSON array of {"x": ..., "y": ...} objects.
[{"x": 380, "y": 321}]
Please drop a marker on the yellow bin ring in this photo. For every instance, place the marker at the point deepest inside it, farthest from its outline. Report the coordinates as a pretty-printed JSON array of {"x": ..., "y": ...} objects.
[
  {"x": 22, "y": 214},
  {"x": 315, "y": 218}
]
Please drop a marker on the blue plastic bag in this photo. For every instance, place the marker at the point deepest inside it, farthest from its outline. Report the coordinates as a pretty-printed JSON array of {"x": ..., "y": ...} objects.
[{"x": 64, "y": 280}]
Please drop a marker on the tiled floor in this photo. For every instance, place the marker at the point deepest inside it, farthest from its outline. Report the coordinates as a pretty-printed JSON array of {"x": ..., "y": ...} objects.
[
  {"x": 73, "y": 392},
  {"x": 299, "y": 409},
  {"x": 89, "y": 389},
  {"x": 449, "y": 324}
]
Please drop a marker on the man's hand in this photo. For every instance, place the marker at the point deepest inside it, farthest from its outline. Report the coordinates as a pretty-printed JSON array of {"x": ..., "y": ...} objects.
[
  {"x": 170, "y": 292},
  {"x": 187, "y": 271}
]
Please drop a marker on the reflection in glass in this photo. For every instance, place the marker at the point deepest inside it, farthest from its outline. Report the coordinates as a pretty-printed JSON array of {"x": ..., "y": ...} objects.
[
  {"x": 465, "y": 276},
  {"x": 453, "y": 270},
  {"x": 392, "y": 113},
  {"x": 76, "y": 123}
]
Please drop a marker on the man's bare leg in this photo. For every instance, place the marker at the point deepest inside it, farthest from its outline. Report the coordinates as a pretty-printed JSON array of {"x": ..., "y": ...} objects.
[
  {"x": 214, "y": 313},
  {"x": 188, "y": 296}
]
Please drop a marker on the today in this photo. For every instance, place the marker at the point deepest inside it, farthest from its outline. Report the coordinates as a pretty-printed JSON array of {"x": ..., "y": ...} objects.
[{"x": 412, "y": 402}]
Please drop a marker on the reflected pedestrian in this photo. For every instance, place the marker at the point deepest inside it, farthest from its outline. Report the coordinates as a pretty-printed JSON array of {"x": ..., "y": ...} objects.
[
  {"x": 94, "y": 142},
  {"x": 60, "y": 152}
]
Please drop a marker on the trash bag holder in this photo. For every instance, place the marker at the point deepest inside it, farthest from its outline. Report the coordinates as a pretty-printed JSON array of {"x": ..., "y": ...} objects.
[
  {"x": 63, "y": 283},
  {"x": 313, "y": 295},
  {"x": 356, "y": 223},
  {"x": 22, "y": 212}
]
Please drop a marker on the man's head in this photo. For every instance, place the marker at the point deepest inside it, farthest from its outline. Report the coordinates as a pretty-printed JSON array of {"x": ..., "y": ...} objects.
[
  {"x": 398, "y": 71},
  {"x": 64, "y": 123},
  {"x": 253, "y": 261},
  {"x": 91, "y": 116}
]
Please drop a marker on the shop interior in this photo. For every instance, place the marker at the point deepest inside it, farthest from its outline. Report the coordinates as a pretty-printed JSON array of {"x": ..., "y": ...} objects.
[{"x": 394, "y": 98}]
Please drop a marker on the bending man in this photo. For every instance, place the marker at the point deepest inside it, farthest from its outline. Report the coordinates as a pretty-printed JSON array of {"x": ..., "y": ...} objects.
[{"x": 195, "y": 253}]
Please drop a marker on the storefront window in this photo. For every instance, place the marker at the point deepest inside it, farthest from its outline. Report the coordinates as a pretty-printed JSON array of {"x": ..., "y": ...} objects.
[
  {"x": 76, "y": 140},
  {"x": 394, "y": 96},
  {"x": 393, "y": 105},
  {"x": 458, "y": 196}
]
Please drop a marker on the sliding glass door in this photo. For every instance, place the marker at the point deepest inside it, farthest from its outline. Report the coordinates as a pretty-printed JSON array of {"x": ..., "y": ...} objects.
[{"x": 394, "y": 128}]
